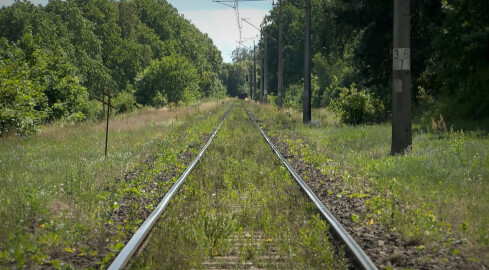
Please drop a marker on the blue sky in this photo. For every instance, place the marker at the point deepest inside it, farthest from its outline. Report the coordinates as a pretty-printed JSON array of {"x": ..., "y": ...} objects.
[{"x": 217, "y": 20}]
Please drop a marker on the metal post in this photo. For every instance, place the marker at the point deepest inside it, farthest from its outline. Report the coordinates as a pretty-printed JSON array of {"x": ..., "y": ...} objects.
[
  {"x": 107, "y": 127},
  {"x": 254, "y": 71},
  {"x": 265, "y": 90},
  {"x": 306, "y": 109},
  {"x": 401, "y": 79},
  {"x": 280, "y": 56}
]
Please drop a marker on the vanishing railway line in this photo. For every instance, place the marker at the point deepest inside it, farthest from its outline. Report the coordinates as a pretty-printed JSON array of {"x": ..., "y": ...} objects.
[{"x": 264, "y": 246}]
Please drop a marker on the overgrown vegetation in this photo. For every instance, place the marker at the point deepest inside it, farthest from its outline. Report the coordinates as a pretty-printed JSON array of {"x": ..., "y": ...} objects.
[
  {"x": 62, "y": 201},
  {"x": 435, "y": 196},
  {"x": 55, "y": 58},
  {"x": 240, "y": 208},
  {"x": 352, "y": 45}
]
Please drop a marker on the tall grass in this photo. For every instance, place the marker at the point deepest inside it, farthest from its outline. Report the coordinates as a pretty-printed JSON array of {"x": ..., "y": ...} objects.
[
  {"x": 436, "y": 193},
  {"x": 240, "y": 209},
  {"x": 57, "y": 185}
]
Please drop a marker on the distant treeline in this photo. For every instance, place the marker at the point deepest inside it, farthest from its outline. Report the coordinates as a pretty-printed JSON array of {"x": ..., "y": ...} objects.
[
  {"x": 60, "y": 60},
  {"x": 352, "y": 63}
]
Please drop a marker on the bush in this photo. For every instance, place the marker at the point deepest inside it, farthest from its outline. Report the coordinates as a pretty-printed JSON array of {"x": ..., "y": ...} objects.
[
  {"x": 218, "y": 90},
  {"x": 293, "y": 96},
  {"x": 94, "y": 110},
  {"x": 173, "y": 79},
  {"x": 159, "y": 100},
  {"x": 357, "y": 107},
  {"x": 124, "y": 103}
]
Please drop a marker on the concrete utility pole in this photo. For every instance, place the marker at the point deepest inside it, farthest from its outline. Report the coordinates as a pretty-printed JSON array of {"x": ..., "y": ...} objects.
[
  {"x": 265, "y": 91},
  {"x": 250, "y": 81},
  {"x": 401, "y": 79},
  {"x": 306, "y": 109},
  {"x": 261, "y": 75},
  {"x": 280, "y": 56},
  {"x": 107, "y": 126},
  {"x": 254, "y": 71}
]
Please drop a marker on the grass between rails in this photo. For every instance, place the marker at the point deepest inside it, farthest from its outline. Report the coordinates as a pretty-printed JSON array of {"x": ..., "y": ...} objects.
[
  {"x": 59, "y": 192},
  {"x": 240, "y": 208},
  {"x": 435, "y": 195}
]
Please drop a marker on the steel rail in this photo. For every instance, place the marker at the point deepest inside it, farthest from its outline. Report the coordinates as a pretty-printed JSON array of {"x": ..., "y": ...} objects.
[
  {"x": 132, "y": 246},
  {"x": 359, "y": 255}
]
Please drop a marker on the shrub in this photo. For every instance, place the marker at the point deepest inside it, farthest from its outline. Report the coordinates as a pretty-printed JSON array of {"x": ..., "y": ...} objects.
[
  {"x": 218, "y": 90},
  {"x": 94, "y": 110},
  {"x": 124, "y": 103},
  {"x": 293, "y": 96},
  {"x": 170, "y": 79},
  {"x": 357, "y": 107},
  {"x": 272, "y": 100}
]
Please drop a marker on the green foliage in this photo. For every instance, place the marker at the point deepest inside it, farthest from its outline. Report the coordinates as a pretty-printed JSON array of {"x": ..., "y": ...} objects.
[
  {"x": 233, "y": 77},
  {"x": 173, "y": 79},
  {"x": 124, "y": 103},
  {"x": 59, "y": 195},
  {"x": 234, "y": 216},
  {"x": 357, "y": 106},
  {"x": 73, "y": 51},
  {"x": 330, "y": 78},
  {"x": 218, "y": 90},
  {"x": 293, "y": 96},
  {"x": 22, "y": 103},
  {"x": 437, "y": 193},
  {"x": 461, "y": 60},
  {"x": 352, "y": 43}
]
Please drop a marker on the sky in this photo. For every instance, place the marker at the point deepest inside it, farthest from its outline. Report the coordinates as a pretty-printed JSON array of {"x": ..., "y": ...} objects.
[
  {"x": 215, "y": 19},
  {"x": 220, "y": 23}
]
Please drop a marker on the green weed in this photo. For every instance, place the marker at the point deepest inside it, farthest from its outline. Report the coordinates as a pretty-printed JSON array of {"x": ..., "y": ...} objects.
[
  {"x": 435, "y": 193},
  {"x": 240, "y": 203},
  {"x": 59, "y": 193}
]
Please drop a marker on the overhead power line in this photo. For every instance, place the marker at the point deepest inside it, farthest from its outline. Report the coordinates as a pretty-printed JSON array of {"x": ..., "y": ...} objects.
[
  {"x": 245, "y": 20},
  {"x": 235, "y": 6}
]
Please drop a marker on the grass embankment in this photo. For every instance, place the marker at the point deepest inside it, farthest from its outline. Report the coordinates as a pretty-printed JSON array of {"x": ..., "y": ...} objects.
[
  {"x": 238, "y": 209},
  {"x": 438, "y": 194},
  {"x": 59, "y": 193}
]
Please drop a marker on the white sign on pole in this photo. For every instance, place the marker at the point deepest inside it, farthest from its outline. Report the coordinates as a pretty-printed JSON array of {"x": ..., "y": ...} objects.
[{"x": 401, "y": 59}]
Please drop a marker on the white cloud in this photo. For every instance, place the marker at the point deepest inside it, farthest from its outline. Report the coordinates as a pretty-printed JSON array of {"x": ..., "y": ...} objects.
[{"x": 222, "y": 27}]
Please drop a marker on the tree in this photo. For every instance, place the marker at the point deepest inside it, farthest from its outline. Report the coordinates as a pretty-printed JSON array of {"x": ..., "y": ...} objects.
[
  {"x": 172, "y": 79},
  {"x": 22, "y": 104},
  {"x": 460, "y": 63}
]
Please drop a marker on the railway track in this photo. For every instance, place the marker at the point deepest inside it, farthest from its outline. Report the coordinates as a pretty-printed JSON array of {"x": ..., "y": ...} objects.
[{"x": 251, "y": 240}]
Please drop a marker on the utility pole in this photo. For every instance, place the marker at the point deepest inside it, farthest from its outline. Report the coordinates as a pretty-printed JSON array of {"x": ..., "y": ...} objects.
[
  {"x": 306, "y": 109},
  {"x": 265, "y": 92},
  {"x": 401, "y": 79},
  {"x": 261, "y": 74},
  {"x": 249, "y": 81},
  {"x": 254, "y": 70},
  {"x": 107, "y": 126},
  {"x": 280, "y": 56}
]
